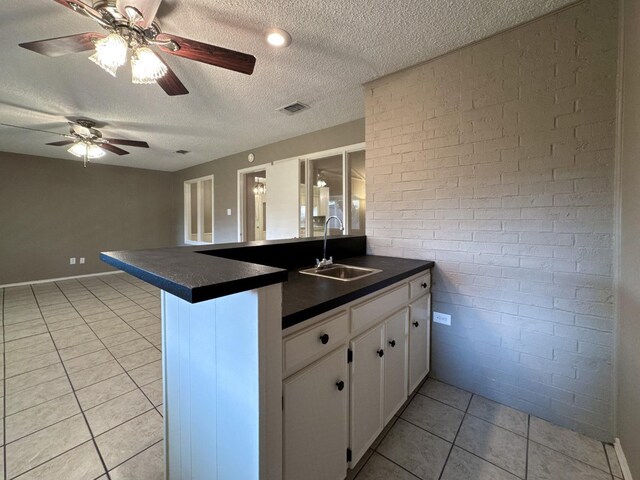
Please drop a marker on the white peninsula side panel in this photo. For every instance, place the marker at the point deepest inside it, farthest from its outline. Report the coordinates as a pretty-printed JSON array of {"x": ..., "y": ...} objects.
[{"x": 222, "y": 371}]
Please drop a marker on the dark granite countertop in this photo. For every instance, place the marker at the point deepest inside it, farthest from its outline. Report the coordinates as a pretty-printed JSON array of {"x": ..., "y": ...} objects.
[
  {"x": 203, "y": 272},
  {"x": 305, "y": 296},
  {"x": 195, "y": 278}
]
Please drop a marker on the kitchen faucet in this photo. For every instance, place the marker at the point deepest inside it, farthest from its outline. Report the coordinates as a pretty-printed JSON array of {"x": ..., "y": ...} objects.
[{"x": 324, "y": 262}]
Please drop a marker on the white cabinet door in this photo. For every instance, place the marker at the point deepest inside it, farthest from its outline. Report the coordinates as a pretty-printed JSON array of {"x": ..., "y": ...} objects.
[
  {"x": 419, "y": 340},
  {"x": 283, "y": 183},
  {"x": 395, "y": 363},
  {"x": 315, "y": 420},
  {"x": 366, "y": 390}
]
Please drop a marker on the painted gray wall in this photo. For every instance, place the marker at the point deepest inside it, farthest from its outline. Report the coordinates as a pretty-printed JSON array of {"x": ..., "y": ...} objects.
[
  {"x": 628, "y": 291},
  {"x": 497, "y": 162},
  {"x": 52, "y": 209},
  {"x": 225, "y": 171}
]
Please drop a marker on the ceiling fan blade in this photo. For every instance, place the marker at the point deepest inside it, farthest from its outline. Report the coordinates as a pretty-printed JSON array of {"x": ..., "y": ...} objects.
[
  {"x": 56, "y": 47},
  {"x": 113, "y": 149},
  {"x": 80, "y": 7},
  {"x": 210, "y": 54},
  {"x": 130, "y": 143},
  {"x": 36, "y": 130},
  {"x": 170, "y": 82},
  {"x": 61, "y": 143}
]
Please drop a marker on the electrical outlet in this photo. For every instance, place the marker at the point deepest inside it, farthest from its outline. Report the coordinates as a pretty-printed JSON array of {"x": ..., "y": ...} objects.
[
  {"x": 442, "y": 318},
  {"x": 81, "y": 260},
  {"x": 72, "y": 261},
  {"x": 229, "y": 211}
]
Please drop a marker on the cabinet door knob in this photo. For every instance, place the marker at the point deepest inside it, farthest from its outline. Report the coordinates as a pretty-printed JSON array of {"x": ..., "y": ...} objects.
[
  {"x": 324, "y": 338},
  {"x": 392, "y": 343},
  {"x": 381, "y": 353},
  {"x": 340, "y": 385},
  {"x": 423, "y": 285},
  {"x": 416, "y": 324}
]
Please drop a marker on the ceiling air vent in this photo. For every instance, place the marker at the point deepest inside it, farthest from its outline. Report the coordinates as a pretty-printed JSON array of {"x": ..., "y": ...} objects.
[
  {"x": 293, "y": 108},
  {"x": 182, "y": 152}
]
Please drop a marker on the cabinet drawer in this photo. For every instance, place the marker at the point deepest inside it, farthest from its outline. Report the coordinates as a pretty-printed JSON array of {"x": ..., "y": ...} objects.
[
  {"x": 368, "y": 313},
  {"x": 318, "y": 340},
  {"x": 420, "y": 285}
]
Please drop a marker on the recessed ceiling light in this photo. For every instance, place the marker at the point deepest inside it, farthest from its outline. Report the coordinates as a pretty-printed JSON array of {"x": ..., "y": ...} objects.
[{"x": 278, "y": 37}]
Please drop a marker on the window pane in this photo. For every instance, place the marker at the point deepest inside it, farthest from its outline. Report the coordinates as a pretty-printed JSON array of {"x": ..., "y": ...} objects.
[
  {"x": 303, "y": 199},
  {"x": 207, "y": 200},
  {"x": 193, "y": 194},
  {"x": 358, "y": 193},
  {"x": 327, "y": 193}
]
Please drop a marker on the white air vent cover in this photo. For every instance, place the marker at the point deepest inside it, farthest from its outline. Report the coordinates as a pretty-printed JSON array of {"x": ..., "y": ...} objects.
[{"x": 293, "y": 108}]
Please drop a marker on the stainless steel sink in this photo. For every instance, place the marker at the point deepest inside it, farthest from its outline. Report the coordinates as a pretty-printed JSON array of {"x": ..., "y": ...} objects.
[{"x": 344, "y": 273}]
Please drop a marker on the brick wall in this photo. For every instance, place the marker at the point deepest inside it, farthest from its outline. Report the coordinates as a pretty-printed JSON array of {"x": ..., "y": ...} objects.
[{"x": 497, "y": 162}]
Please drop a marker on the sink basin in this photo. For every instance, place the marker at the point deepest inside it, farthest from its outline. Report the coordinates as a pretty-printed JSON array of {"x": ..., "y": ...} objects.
[{"x": 344, "y": 273}]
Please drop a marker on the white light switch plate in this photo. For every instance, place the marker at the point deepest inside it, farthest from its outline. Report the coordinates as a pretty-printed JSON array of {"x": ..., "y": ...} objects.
[
  {"x": 81, "y": 260},
  {"x": 442, "y": 318},
  {"x": 72, "y": 261},
  {"x": 229, "y": 211}
]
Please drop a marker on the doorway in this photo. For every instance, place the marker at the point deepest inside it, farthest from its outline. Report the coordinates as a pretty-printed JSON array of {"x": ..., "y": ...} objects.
[{"x": 255, "y": 201}]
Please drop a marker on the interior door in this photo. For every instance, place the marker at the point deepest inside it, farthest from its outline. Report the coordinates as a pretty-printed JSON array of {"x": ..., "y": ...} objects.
[
  {"x": 366, "y": 390},
  {"x": 395, "y": 363},
  {"x": 315, "y": 420},
  {"x": 283, "y": 184}
]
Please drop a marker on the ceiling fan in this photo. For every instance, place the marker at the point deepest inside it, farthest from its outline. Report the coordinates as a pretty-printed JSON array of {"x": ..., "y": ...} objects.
[
  {"x": 86, "y": 141},
  {"x": 130, "y": 25}
]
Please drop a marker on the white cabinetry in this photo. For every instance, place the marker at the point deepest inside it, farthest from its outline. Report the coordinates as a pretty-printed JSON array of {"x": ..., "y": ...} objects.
[
  {"x": 395, "y": 363},
  {"x": 388, "y": 334},
  {"x": 367, "y": 375},
  {"x": 315, "y": 420},
  {"x": 419, "y": 338}
]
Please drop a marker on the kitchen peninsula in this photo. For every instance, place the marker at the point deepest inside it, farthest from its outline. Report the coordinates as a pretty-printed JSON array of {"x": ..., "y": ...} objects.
[{"x": 257, "y": 355}]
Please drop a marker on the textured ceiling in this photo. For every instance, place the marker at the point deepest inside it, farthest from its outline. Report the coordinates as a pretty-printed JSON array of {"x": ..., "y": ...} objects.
[{"x": 337, "y": 46}]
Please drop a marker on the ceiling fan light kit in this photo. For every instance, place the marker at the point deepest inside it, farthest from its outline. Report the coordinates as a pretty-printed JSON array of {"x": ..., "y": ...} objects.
[
  {"x": 111, "y": 53},
  {"x": 146, "y": 66},
  {"x": 90, "y": 150},
  {"x": 128, "y": 30}
]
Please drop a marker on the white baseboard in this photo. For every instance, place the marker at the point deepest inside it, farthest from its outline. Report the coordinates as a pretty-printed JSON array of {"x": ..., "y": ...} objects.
[
  {"x": 622, "y": 459},
  {"x": 49, "y": 280}
]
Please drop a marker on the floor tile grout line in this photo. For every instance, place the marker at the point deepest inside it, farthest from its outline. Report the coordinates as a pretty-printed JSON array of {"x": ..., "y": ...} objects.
[
  {"x": 4, "y": 393},
  {"x": 392, "y": 461},
  {"x": 569, "y": 456},
  {"x": 110, "y": 309},
  {"x": 461, "y": 448},
  {"x": 453, "y": 443},
  {"x": 118, "y": 362},
  {"x": 139, "y": 453},
  {"x": 95, "y": 445},
  {"x": 476, "y": 416},
  {"x": 153, "y": 407},
  {"x": 526, "y": 464},
  {"x": 53, "y": 458}
]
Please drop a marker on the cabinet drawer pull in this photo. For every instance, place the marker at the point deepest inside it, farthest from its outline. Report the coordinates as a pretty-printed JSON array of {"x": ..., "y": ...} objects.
[
  {"x": 423, "y": 285},
  {"x": 324, "y": 338},
  {"x": 340, "y": 385},
  {"x": 392, "y": 343},
  {"x": 416, "y": 324},
  {"x": 381, "y": 353}
]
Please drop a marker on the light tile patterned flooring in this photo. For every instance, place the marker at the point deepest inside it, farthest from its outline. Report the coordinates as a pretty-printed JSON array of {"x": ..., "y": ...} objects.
[
  {"x": 82, "y": 388},
  {"x": 82, "y": 400},
  {"x": 444, "y": 433}
]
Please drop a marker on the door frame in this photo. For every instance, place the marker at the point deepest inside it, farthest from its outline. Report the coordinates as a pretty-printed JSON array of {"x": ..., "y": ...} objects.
[
  {"x": 344, "y": 151},
  {"x": 187, "y": 209},
  {"x": 242, "y": 173}
]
